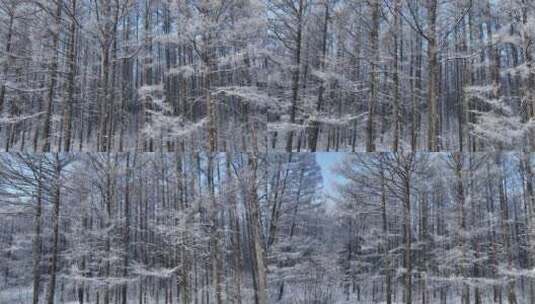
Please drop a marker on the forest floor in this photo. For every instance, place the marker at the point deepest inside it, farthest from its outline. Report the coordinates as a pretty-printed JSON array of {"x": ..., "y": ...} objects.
[
  {"x": 23, "y": 295},
  {"x": 16, "y": 295}
]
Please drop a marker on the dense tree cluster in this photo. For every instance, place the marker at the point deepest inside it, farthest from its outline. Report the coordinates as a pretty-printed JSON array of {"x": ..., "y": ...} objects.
[
  {"x": 438, "y": 228},
  {"x": 163, "y": 151},
  {"x": 247, "y": 228},
  {"x": 125, "y": 228},
  {"x": 242, "y": 75}
]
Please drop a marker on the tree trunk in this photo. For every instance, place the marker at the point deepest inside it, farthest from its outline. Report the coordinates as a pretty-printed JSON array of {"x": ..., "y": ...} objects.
[
  {"x": 235, "y": 238},
  {"x": 53, "y": 77},
  {"x": 259, "y": 267},
  {"x": 373, "y": 82},
  {"x": 210, "y": 104},
  {"x": 217, "y": 262},
  {"x": 504, "y": 219},
  {"x": 5, "y": 68},
  {"x": 126, "y": 229},
  {"x": 37, "y": 239},
  {"x": 386, "y": 247},
  {"x": 313, "y": 141},
  {"x": 55, "y": 238},
  {"x": 407, "y": 235},
  {"x": 529, "y": 93},
  {"x": 433, "y": 73},
  {"x": 68, "y": 102},
  {"x": 398, "y": 51},
  {"x": 458, "y": 164},
  {"x": 296, "y": 74}
]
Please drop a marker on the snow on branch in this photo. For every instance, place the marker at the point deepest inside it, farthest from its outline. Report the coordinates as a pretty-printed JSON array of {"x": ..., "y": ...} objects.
[
  {"x": 248, "y": 94},
  {"x": 284, "y": 127},
  {"x": 156, "y": 272},
  {"x": 13, "y": 120},
  {"x": 184, "y": 71}
]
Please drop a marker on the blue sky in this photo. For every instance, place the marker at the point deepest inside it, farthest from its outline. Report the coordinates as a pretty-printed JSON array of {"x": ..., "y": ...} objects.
[{"x": 327, "y": 161}]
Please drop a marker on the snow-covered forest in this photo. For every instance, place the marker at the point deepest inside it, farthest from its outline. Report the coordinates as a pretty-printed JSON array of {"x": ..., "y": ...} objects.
[
  {"x": 253, "y": 75},
  {"x": 267, "y": 151},
  {"x": 267, "y": 228}
]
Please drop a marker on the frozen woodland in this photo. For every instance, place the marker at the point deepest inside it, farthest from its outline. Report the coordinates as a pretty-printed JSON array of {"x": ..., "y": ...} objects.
[
  {"x": 206, "y": 228},
  {"x": 267, "y": 151},
  {"x": 285, "y": 75}
]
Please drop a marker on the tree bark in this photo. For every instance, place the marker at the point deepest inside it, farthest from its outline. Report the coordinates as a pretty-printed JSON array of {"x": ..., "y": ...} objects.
[
  {"x": 373, "y": 82},
  {"x": 313, "y": 141},
  {"x": 398, "y": 51},
  {"x": 55, "y": 236},
  {"x": 258, "y": 250},
  {"x": 37, "y": 238},
  {"x": 433, "y": 73},
  {"x": 126, "y": 236},
  {"x": 217, "y": 262},
  {"x": 53, "y": 77},
  {"x": 68, "y": 102},
  {"x": 386, "y": 244},
  {"x": 296, "y": 73},
  {"x": 458, "y": 164},
  {"x": 5, "y": 67}
]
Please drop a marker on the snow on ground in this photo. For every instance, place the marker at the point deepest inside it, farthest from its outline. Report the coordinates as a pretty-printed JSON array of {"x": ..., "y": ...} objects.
[
  {"x": 16, "y": 295},
  {"x": 23, "y": 295}
]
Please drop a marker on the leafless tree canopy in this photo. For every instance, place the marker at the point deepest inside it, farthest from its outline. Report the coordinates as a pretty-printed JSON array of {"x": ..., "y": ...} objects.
[{"x": 248, "y": 75}]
